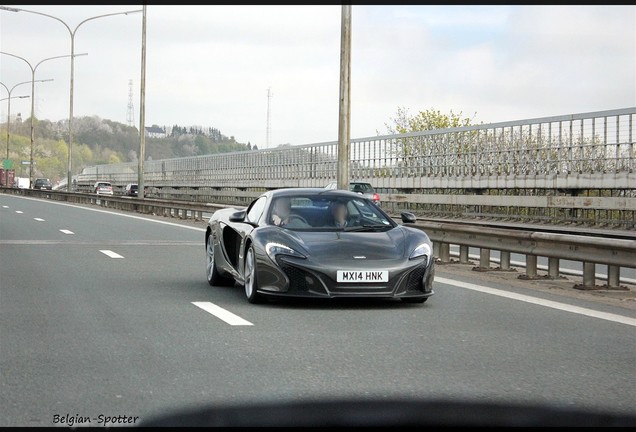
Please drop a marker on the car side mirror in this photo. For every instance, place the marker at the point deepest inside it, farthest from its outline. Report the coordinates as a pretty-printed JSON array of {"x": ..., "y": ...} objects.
[
  {"x": 239, "y": 216},
  {"x": 408, "y": 217}
]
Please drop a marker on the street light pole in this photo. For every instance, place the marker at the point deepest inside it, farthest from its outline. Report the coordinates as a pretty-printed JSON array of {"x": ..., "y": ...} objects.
[
  {"x": 142, "y": 114},
  {"x": 8, "y": 99},
  {"x": 9, "y": 106},
  {"x": 72, "y": 55},
  {"x": 345, "y": 95},
  {"x": 33, "y": 69},
  {"x": 9, "y": 119}
]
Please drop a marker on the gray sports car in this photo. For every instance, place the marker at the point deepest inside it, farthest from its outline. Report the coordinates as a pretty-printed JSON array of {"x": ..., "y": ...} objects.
[{"x": 313, "y": 242}]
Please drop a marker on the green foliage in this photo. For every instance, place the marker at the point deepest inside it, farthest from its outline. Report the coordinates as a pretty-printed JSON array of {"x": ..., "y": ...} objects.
[
  {"x": 427, "y": 120},
  {"x": 413, "y": 154},
  {"x": 98, "y": 141}
]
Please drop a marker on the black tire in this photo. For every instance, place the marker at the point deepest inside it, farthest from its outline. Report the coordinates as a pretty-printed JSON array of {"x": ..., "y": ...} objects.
[
  {"x": 250, "y": 276},
  {"x": 414, "y": 299},
  {"x": 213, "y": 275}
]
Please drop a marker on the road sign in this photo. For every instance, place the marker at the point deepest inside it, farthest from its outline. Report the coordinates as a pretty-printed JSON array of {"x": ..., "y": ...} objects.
[
  {"x": 27, "y": 163},
  {"x": 7, "y": 164}
]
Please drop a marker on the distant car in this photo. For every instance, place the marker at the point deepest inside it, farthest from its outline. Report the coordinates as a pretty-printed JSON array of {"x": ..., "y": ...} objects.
[
  {"x": 291, "y": 242},
  {"x": 359, "y": 187},
  {"x": 132, "y": 189},
  {"x": 42, "y": 183},
  {"x": 103, "y": 188}
]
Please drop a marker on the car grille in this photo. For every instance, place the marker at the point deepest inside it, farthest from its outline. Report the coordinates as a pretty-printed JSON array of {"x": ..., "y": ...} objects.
[
  {"x": 297, "y": 278},
  {"x": 415, "y": 279}
]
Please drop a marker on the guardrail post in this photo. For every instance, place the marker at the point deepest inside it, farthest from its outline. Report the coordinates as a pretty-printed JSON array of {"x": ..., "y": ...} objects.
[
  {"x": 553, "y": 268},
  {"x": 589, "y": 276},
  {"x": 463, "y": 254},
  {"x": 504, "y": 260},
  {"x": 484, "y": 260},
  {"x": 613, "y": 276},
  {"x": 444, "y": 252},
  {"x": 531, "y": 266}
]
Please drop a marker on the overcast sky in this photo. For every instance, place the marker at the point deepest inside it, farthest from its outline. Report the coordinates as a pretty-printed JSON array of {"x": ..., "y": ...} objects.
[{"x": 212, "y": 65}]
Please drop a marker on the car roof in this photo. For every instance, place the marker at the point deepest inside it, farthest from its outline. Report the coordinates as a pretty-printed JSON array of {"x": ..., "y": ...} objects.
[{"x": 352, "y": 182}]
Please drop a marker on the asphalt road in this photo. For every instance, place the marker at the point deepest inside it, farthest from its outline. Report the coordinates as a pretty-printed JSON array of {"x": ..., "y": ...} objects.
[{"x": 107, "y": 317}]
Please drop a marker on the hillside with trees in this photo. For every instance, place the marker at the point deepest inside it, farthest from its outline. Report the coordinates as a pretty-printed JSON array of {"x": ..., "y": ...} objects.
[{"x": 99, "y": 141}]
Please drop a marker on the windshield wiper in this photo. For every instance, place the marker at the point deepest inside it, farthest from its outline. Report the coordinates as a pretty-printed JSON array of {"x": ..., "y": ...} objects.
[{"x": 367, "y": 227}]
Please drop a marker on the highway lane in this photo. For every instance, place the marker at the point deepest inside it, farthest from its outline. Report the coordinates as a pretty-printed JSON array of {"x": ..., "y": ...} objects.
[{"x": 89, "y": 335}]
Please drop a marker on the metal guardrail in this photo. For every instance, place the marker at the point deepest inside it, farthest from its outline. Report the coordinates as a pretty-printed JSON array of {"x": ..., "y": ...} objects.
[{"x": 590, "y": 250}]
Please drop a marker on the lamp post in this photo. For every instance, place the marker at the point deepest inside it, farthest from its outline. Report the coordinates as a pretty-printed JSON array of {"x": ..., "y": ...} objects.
[
  {"x": 142, "y": 113},
  {"x": 33, "y": 69},
  {"x": 345, "y": 96},
  {"x": 72, "y": 55},
  {"x": 9, "y": 105}
]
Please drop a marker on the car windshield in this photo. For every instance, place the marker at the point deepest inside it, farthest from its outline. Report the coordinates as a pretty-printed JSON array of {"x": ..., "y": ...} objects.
[
  {"x": 361, "y": 187},
  {"x": 320, "y": 212}
]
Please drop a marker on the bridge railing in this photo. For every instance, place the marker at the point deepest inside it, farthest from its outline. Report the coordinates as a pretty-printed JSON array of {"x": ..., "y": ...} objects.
[
  {"x": 520, "y": 170},
  {"x": 534, "y": 151}
]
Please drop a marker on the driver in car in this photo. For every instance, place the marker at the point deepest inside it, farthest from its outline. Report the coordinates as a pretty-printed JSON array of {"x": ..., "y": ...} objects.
[
  {"x": 339, "y": 214},
  {"x": 281, "y": 211}
]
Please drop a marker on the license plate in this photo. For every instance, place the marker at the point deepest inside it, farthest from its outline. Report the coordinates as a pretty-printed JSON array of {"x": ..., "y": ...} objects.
[{"x": 362, "y": 276}]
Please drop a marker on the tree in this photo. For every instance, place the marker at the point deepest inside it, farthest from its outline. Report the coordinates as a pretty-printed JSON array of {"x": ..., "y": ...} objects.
[
  {"x": 430, "y": 119},
  {"x": 416, "y": 155}
]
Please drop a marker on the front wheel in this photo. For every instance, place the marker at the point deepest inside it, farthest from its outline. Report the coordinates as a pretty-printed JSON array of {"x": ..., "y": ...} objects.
[
  {"x": 213, "y": 275},
  {"x": 251, "y": 282}
]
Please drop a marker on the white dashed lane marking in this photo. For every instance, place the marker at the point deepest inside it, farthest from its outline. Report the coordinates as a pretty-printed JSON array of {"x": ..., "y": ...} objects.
[
  {"x": 38, "y": 219},
  {"x": 65, "y": 231},
  {"x": 19, "y": 211},
  {"x": 111, "y": 254},
  {"x": 5, "y": 206},
  {"x": 223, "y": 314}
]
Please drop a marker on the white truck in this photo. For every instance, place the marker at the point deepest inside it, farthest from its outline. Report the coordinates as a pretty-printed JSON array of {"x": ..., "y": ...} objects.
[{"x": 22, "y": 182}]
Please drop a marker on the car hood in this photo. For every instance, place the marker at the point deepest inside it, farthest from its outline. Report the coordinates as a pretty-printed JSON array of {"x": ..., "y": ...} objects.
[{"x": 339, "y": 244}]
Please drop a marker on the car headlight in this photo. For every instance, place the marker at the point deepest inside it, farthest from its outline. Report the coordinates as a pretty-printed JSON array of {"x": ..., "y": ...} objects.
[
  {"x": 422, "y": 250},
  {"x": 274, "y": 249}
]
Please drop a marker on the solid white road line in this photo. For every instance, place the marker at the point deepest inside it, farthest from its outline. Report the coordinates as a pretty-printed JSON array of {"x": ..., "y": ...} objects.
[
  {"x": 116, "y": 214},
  {"x": 221, "y": 313},
  {"x": 547, "y": 303},
  {"x": 111, "y": 254},
  {"x": 65, "y": 231},
  {"x": 38, "y": 219}
]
